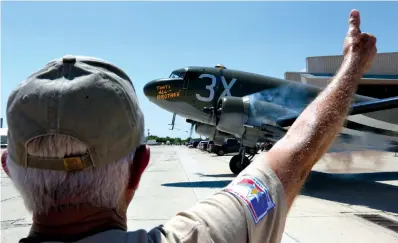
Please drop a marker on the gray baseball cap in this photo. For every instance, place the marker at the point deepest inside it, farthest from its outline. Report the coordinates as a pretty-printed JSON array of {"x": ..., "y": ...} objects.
[{"x": 86, "y": 98}]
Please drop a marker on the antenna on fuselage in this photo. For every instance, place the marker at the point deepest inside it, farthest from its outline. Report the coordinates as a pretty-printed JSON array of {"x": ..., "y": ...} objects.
[{"x": 220, "y": 66}]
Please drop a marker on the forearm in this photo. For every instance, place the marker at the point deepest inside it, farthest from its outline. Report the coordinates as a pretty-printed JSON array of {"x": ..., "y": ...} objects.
[
  {"x": 293, "y": 157},
  {"x": 322, "y": 120}
]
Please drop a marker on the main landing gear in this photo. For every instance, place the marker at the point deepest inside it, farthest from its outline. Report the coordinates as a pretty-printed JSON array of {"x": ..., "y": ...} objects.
[{"x": 239, "y": 162}]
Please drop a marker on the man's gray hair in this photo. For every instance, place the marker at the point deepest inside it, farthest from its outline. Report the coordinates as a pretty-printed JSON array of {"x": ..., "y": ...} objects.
[{"x": 44, "y": 189}]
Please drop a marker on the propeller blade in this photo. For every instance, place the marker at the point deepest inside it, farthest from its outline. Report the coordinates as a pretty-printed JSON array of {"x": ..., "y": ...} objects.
[{"x": 190, "y": 133}]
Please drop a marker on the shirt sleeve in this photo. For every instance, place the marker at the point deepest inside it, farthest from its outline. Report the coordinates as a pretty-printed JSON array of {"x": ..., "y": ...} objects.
[{"x": 252, "y": 208}]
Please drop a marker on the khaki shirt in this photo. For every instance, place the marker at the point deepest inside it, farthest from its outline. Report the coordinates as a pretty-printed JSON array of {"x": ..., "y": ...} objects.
[{"x": 252, "y": 208}]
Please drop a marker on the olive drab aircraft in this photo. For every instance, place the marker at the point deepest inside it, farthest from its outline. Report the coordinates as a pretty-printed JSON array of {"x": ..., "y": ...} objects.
[{"x": 223, "y": 103}]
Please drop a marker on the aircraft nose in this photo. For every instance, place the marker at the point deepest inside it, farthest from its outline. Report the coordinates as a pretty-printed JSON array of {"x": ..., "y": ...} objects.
[
  {"x": 164, "y": 89},
  {"x": 150, "y": 89}
]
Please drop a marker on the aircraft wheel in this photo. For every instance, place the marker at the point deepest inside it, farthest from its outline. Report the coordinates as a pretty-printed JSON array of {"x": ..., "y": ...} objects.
[
  {"x": 220, "y": 152},
  {"x": 235, "y": 163}
]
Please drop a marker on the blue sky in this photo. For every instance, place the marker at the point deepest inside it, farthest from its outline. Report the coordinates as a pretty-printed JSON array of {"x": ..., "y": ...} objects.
[{"x": 150, "y": 39}]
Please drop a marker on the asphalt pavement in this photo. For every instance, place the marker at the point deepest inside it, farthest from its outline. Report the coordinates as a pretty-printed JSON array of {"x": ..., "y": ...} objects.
[{"x": 348, "y": 197}]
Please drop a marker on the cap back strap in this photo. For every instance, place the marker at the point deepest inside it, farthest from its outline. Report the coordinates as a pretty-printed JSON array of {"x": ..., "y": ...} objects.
[{"x": 76, "y": 163}]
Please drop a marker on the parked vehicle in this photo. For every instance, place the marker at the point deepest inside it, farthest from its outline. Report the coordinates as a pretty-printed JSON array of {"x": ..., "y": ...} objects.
[
  {"x": 231, "y": 145},
  {"x": 3, "y": 134},
  {"x": 194, "y": 144},
  {"x": 203, "y": 145},
  {"x": 210, "y": 147},
  {"x": 200, "y": 145}
]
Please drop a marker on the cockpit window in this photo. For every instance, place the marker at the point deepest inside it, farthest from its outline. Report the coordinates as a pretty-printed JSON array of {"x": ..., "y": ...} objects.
[{"x": 176, "y": 74}]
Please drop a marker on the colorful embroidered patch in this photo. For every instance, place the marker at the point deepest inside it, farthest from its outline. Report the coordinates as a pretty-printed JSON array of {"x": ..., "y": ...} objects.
[{"x": 254, "y": 194}]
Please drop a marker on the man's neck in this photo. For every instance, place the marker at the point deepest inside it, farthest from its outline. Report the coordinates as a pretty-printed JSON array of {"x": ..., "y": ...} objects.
[{"x": 74, "y": 223}]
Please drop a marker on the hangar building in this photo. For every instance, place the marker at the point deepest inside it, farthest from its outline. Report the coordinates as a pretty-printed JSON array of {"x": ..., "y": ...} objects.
[{"x": 381, "y": 81}]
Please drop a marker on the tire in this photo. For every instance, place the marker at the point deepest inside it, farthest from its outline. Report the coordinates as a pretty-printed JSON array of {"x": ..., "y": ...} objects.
[
  {"x": 235, "y": 164},
  {"x": 220, "y": 152}
]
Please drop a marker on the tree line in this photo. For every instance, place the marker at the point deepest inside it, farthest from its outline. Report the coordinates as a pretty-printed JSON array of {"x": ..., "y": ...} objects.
[{"x": 165, "y": 139}]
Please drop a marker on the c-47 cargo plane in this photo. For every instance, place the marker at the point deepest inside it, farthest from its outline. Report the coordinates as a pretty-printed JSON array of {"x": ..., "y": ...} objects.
[{"x": 223, "y": 103}]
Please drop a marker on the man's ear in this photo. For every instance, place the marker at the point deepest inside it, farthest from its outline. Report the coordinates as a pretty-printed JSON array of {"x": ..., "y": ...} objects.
[
  {"x": 4, "y": 162},
  {"x": 140, "y": 162}
]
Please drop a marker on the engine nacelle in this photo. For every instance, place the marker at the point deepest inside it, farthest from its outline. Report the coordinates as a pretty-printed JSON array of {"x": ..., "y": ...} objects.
[
  {"x": 253, "y": 110},
  {"x": 232, "y": 114},
  {"x": 205, "y": 130}
]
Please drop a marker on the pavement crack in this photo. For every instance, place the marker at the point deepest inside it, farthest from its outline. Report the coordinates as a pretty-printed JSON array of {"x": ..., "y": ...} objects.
[
  {"x": 186, "y": 174},
  {"x": 9, "y": 198},
  {"x": 15, "y": 223}
]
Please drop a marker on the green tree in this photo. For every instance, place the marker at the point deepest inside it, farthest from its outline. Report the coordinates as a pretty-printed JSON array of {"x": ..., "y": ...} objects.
[
  {"x": 160, "y": 140},
  {"x": 152, "y": 137}
]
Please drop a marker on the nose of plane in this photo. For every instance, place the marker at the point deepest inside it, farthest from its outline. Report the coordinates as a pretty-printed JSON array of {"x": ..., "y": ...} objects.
[
  {"x": 164, "y": 89},
  {"x": 150, "y": 89}
]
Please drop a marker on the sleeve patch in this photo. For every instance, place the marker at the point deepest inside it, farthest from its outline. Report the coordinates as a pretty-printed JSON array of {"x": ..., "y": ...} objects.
[{"x": 254, "y": 195}]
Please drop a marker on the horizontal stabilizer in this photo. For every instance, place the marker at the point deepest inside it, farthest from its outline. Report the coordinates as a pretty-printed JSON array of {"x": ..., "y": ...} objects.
[{"x": 358, "y": 108}]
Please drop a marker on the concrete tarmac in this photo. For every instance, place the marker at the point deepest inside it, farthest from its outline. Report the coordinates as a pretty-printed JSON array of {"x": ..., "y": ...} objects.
[{"x": 340, "y": 187}]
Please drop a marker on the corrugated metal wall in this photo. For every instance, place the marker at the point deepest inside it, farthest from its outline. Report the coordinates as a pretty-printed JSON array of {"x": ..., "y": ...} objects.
[
  {"x": 320, "y": 82},
  {"x": 295, "y": 76},
  {"x": 384, "y": 63}
]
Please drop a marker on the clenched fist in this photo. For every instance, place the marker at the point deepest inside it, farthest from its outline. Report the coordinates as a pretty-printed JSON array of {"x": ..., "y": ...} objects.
[{"x": 359, "y": 48}]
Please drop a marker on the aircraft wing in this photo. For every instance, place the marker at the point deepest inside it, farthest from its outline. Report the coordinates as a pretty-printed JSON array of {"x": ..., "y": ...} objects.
[
  {"x": 357, "y": 108},
  {"x": 252, "y": 120}
]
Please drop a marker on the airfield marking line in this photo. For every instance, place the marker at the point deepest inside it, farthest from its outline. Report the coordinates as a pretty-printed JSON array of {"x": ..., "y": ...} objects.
[
  {"x": 176, "y": 151},
  {"x": 291, "y": 237}
]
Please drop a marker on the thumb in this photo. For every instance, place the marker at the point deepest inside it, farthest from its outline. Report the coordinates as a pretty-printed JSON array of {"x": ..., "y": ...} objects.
[{"x": 354, "y": 23}]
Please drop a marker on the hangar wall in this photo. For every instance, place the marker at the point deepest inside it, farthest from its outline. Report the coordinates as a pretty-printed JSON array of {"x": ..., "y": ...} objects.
[
  {"x": 381, "y": 81},
  {"x": 384, "y": 63}
]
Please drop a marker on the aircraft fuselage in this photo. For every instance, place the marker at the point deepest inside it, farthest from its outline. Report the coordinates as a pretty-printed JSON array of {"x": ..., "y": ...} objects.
[{"x": 189, "y": 90}]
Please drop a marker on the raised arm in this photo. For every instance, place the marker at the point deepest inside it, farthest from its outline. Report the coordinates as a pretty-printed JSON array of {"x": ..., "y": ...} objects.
[
  {"x": 293, "y": 157},
  {"x": 253, "y": 207}
]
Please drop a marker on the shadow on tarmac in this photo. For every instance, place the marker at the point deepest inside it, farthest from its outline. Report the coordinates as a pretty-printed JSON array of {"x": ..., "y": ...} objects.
[
  {"x": 225, "y": 155},
  {"x": 200, "y": 184},
  {"x": 355, "y": 189}
]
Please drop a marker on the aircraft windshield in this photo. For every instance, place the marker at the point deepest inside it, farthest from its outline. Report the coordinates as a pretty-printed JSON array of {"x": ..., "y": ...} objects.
[{"x": 177, "y": 75}]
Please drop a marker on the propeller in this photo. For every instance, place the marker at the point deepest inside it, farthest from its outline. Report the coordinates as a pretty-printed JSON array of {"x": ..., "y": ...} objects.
[
  {"x": 190, "y": 133},
  {"x": 214, "y": 111}
]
